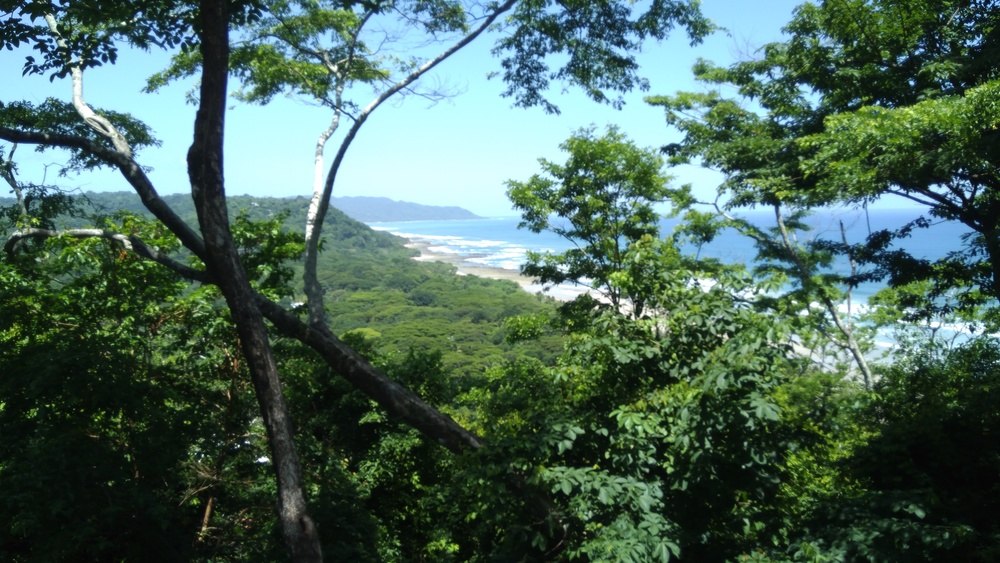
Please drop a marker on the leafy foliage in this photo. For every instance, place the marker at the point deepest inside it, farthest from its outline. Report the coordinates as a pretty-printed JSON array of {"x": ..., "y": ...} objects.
[
  {"x": 666, "y": 438},
  {"x": 865, "y": 99},
  {"x": 380, "y": 491},
  {"x": 599, "y": 39},
  {"x": 676, "y": 422},
  {"x": 659, "y": 436},
  {"x": 602, "y": 200},
  {"x": 95, "y": 432},
  {"x": 55, "y": 117},
  {"x": 92, "y": 33},
  {"x": 286, "y": 49},
  {"x": 922, "y": 490}
]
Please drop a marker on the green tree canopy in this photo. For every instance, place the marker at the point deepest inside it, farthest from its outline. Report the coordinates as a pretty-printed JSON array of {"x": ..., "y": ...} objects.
[
  {"x": 865, "y": 99},
  {"x": 602, "y": 199}
]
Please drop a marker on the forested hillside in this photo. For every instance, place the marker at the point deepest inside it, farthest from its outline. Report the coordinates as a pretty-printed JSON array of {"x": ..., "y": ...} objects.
[
  {"x": 440, "y": 333},
  {"x": 372, "y": 281},
  {"x": 212, "y": 378}
]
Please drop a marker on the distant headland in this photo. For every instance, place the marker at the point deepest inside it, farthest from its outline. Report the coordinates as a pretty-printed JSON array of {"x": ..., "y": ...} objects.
[{"x": 382, "y": 209}]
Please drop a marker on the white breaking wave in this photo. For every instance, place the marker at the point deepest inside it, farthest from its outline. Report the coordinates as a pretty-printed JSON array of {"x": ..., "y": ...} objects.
[{"x": 496, "y": 243}]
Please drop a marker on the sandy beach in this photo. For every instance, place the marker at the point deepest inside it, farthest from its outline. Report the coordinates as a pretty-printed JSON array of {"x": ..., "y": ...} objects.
[{"x": 468, "y": 268}]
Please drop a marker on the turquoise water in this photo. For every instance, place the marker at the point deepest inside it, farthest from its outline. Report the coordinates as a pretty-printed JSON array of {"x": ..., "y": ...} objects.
[{"x": 497, "y": 242}]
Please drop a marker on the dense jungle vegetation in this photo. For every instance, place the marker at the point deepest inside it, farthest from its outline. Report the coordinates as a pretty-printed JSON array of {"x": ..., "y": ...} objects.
[{"x": 198, "y": 383}]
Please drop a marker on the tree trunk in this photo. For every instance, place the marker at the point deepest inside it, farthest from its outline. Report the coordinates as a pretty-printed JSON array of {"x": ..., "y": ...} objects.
[
  {"x": 205, "y": 167},
  {"x": 396, "y": 399}
]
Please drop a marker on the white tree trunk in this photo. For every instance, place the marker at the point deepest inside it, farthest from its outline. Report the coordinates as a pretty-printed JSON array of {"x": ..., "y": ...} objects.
[
  {"x": 320, "y": 203},
  {"x": 96, "y": 122}
]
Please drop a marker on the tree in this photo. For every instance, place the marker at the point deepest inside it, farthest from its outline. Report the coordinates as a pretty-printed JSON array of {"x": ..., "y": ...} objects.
[
  {"x": 602, "y": 200},
  {"x": 866, "y": 99},
  {"x": 659, "y": 429},
  {"x": 76, "y": 36},
  {"x": 660, "y": 436}
]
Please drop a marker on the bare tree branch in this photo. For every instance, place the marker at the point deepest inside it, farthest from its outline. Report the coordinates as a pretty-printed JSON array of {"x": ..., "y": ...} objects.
[
  {"x": 96, "y": 122},
  {"x": 850, "y": 343},
  {"x": 317, "y": 213},
  {"x": 131, "y": 171},
  {"x": 7, "y": 172},
  {"x": 129, "y": 242}
]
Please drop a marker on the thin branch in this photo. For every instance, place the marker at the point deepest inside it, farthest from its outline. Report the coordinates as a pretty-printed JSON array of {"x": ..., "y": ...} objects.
[
  {"x": 853, "y": 264},
  {"x": 129, "y": 242},
  {"x": 131, "y": 171},
  {"x": 933, "y": 199},
  {"x": 851, "y": 343},
  {"x": 7, "y": 171},
  {"x": 313, "y": 289},
  {"x": 341, "y": 72}
]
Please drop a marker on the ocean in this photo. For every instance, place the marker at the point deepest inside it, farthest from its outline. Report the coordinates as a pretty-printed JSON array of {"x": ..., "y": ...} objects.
[{"x": 497, "y": 242}]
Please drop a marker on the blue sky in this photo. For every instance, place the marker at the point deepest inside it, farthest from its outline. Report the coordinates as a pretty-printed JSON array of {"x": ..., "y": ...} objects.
[{"x": 457, "y": 152}]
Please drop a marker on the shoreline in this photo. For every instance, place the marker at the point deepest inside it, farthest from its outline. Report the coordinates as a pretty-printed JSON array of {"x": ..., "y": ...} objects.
[{"x": 465, "y": 267}]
